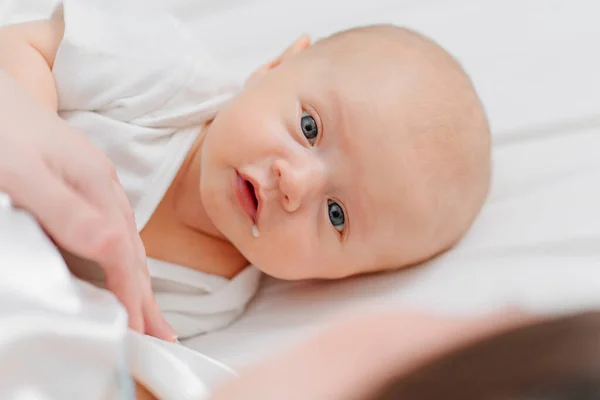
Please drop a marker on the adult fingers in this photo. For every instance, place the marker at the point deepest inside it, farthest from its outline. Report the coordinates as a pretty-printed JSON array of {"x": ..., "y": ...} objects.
[
  {"x": 94, "y": 182},
  {"x": 154, "y": 322},
  {"x": 124, "y": 283},
  {"x": 77, "y": 226},
  {"x": 129, "y": 218},
  {"x": 121, "y": 258},
  {"x": 130, "y": 282},
  {"x": 68, "y": 218}
]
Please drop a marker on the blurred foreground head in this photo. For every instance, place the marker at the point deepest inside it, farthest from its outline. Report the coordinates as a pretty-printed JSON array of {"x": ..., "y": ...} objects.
[{"x": 552, "y": 360}]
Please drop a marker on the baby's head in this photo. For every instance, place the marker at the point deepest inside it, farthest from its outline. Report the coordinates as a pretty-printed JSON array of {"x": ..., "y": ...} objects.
[{"x": 366, "y": 151}]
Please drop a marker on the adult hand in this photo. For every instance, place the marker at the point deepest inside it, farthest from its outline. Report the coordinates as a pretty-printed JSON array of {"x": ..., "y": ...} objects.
[{"x": 71, "y": 188}]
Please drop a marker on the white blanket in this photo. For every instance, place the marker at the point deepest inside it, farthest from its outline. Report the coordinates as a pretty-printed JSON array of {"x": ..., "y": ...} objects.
[{"x": 536, "y": 64}]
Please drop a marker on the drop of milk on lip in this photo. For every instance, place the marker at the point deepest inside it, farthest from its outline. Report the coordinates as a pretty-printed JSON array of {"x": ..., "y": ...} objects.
[{"x": 255, "y": 231}]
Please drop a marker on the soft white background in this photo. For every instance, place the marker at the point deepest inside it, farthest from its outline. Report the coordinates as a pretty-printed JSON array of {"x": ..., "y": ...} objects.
[{"x": 536, "y": 65}]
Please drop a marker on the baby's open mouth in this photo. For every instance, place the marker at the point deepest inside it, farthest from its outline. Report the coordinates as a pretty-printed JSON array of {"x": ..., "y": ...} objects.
[
  {"x": 252, "y": 194},
  {"x": 247, "y": 196}
]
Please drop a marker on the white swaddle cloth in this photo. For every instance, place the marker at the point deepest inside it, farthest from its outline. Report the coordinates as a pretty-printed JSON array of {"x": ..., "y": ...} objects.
[
  {"x": 60, "y": 338},
  {"x": 194, "y": 302},
  {"x": 64, "y": 339}
]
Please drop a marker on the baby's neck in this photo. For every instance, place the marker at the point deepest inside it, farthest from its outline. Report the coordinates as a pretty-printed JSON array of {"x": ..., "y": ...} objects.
[
  {"x": 166, "y": 239},
  {"x": 181, "y": 232},
  {"x": 184, "y": 192}
]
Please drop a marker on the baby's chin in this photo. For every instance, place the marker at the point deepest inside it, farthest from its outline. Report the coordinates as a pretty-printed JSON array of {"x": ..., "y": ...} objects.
[
  {"x": 279, "y": 268},
  {"x": 292, "y": 269}
]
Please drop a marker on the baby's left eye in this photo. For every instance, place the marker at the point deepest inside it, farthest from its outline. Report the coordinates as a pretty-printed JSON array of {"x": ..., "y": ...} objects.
[{"x": 309, "y": 127}]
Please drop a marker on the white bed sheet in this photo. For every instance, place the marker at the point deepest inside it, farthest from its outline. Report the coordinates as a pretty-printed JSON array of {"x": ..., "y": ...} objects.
[{"x": 536, "y": 245}]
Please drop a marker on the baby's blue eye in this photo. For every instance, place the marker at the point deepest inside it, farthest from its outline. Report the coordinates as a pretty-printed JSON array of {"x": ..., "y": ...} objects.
[
  {"x": 336, "y": 215},
  {"x": 309, "y": 127}
]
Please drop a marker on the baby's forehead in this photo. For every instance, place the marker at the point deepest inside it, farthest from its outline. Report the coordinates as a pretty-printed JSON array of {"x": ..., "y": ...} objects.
[
  {"x": 374, "y": 90},
  {"x": 381, "y": 175}
]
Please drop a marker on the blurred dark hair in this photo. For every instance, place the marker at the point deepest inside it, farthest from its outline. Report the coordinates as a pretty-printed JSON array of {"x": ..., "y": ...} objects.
[{"x": 557, "y": 359}]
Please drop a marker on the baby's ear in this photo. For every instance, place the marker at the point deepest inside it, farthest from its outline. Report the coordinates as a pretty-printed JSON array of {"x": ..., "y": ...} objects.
[{"x": 302, "y": 43}]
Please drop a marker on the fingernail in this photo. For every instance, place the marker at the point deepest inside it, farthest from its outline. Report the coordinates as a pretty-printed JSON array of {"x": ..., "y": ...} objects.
[{"x": 173, "y": 334}]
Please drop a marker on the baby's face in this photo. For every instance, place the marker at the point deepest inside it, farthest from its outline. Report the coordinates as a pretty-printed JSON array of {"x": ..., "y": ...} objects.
[{"x": 319, "y": 163}]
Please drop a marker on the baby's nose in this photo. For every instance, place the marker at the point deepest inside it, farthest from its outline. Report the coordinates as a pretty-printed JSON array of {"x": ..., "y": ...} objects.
[{"x": 298, "y": 183}]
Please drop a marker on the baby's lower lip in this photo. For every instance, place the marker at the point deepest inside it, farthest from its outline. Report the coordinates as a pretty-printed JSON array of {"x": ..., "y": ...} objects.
[{"x": 245, "y": 199}]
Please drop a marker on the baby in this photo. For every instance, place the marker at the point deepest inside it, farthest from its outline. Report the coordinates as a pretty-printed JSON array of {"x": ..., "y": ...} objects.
[{"x": 366, "y": 151}]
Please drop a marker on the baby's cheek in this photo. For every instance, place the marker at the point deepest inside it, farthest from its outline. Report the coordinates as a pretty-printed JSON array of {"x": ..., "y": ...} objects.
[
  {"x": 288, "y": 244},
  {"x": 288, "y": 258}
]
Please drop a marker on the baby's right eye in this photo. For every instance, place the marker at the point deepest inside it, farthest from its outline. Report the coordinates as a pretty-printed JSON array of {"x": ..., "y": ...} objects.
[
  {"x": 309, "y": 127},
  {"x": 336, "y": 215}
]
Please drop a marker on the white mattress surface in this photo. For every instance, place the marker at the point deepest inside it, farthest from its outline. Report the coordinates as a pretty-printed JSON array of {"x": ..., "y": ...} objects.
[{"x": 536, "y": 65}]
